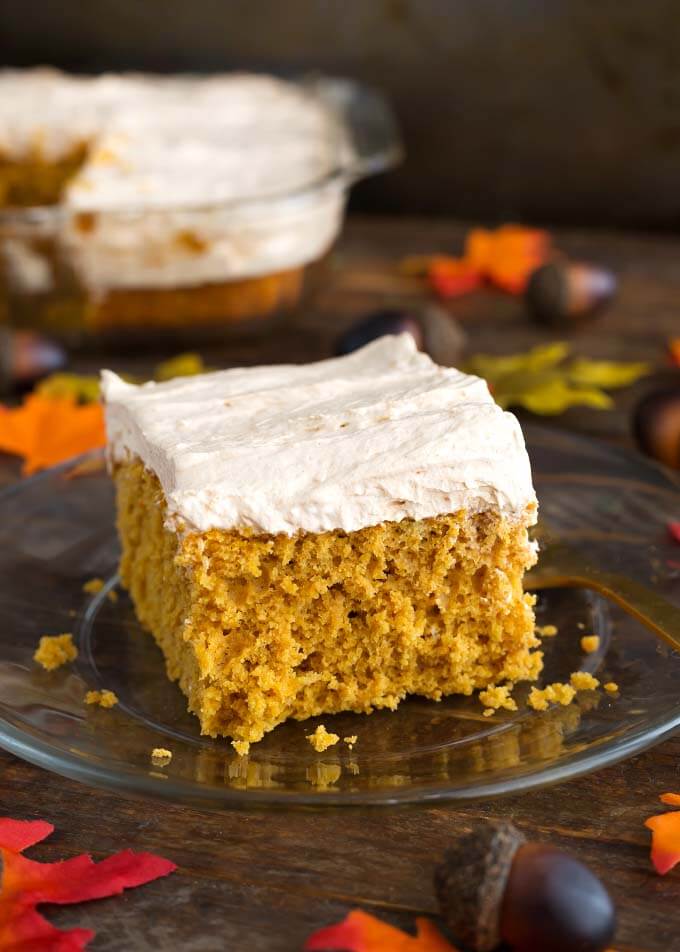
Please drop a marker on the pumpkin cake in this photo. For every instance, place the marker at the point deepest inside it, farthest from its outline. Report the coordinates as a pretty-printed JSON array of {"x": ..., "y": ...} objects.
[
  {"x": 174, "y": 195},
  {"x": 303, "y": 540}
]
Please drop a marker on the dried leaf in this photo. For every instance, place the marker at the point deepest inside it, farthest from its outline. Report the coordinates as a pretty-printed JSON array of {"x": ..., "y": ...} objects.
[
  {"x": 606, "y": 373},
  {"x": 78, "y": 387},
  {"x": 361, "y": 932},
  {"x": 665, "y": 841},
  {"x": 674, "y": 350},
  {"x": 26, "y": 884},
  {"x": 507, "y": 256},
  {"x": 183, "y": 365},
  {"x": 453, "y": 277},
  {"x": 494, "y": 369},
  {"x": 542, "y": 382},
  {"x": 504, "y": 258},
  {"x": 47, "y": 431}
]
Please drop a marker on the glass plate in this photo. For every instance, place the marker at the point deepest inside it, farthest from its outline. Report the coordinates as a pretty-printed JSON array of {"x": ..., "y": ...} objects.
[{"x": 57, "y": 531}]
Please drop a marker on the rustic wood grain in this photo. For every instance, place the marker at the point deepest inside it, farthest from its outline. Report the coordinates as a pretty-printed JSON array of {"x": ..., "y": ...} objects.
[{"x": 264, "y": 880}]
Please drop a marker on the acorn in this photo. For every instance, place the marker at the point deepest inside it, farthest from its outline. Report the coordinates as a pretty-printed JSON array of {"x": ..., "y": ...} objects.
[
  {"x": 432, "y": 328},
  {"x": 656, "y": 425},
  {"x": 561, "y": 293},
  {"x": 495, "y": 887}
]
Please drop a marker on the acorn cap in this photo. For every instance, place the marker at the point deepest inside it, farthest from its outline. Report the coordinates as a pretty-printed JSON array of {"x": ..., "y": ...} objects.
[{"x": 471, "y": 882}]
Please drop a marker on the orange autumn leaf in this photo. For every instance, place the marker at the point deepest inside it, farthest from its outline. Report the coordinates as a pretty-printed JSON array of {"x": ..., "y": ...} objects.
[
  {"x": 26, "y": 884},
  {"x": 361, "y": 932},
  {"x": 674, "y": 350},
  {"x": 46, "y": 431},
  {"x": 451, "y": 277},
  {"x": 665, "y": 835},
  {"x": 508, "y": 255},
  {"x": 504, "y": 257}
]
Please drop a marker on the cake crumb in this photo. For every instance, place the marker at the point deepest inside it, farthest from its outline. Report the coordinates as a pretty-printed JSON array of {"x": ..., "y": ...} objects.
[
  {"x": 350, "y": 741},
  {"x": 546, "y": 631},
  {"x": 583, "y": 681},
  {"x": 321, "y": 739},
  {"x": 611, "y": 687},
  {"x": 55, "y": 650},
  {"x": 103, "y": 698},
  {"x": 161, "y": 756},
  {"x": 93, "y": 586},
  {"x": 557, "y": 693},
  {"x": 590, "y": 643},
  {"x": 497, "y": 696},
  {"x": 488, "y": 712},
  {"x": 241, "y": 747}
]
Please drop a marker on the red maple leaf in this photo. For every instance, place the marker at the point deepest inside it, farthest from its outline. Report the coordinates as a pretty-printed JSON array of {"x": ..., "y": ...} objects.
[{"x": 26, "y": 884}]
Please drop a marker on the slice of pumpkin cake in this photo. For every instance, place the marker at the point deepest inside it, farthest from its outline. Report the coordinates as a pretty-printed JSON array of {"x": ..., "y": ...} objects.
[{"x": 302, "y": 540}]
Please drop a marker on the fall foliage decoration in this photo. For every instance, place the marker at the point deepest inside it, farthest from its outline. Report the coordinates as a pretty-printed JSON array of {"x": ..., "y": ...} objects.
[
  {"x": 63, "y": 418},
  {"x": 361, "y": 932},
  {"x": 674, "y": 350},
  {"x": 665, "y": 829},
  {"x": 27, "y": 883},
  {"x": 503, "y": 258},
  {"x": 46, "y": 431},
  {"x": 544, "y": 381}
]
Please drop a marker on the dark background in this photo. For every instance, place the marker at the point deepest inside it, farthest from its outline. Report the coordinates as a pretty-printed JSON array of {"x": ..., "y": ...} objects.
[{"x": 546, "y": 110}]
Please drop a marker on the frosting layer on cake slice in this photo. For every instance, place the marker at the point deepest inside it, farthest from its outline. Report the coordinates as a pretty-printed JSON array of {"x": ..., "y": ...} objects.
[{"x": 380, "y": 435}]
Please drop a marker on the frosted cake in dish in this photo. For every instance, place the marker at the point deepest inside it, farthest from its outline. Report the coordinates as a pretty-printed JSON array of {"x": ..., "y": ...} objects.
[
  {"x": 147, "y": 170},
  {"x": 302, "y": 540}
]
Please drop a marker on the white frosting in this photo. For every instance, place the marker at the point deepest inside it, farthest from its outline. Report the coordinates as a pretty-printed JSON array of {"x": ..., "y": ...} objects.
[
  {"x": 382, "y": 434},
  {"x": 167, "y": 156}
]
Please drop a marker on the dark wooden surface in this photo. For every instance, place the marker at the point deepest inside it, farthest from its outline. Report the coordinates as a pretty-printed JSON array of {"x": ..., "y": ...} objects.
[{"x": 264, "y": 880}]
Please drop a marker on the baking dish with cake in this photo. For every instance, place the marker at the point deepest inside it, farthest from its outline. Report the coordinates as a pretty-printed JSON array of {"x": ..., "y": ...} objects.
[{"x": 133, "y": 204}]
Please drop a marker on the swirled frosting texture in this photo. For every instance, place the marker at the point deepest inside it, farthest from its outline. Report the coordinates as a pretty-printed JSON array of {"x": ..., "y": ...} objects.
[{"x": 382, "y": 434}]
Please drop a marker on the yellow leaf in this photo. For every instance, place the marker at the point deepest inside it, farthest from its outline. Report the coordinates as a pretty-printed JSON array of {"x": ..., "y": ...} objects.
[
  {"x": 542, "y": 381},
  {"x": 538, "y": 358},
  {"x": 606, "y": 373},
  {"x": 557, "y": 396},
  {"x": 183, "y": 365},
  {"x": 79, "y": 387}
]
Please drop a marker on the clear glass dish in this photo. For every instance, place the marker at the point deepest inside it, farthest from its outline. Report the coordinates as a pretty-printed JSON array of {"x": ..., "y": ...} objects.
[
  {"x": 43, "y": 250},
  {"x": 57, "y": 531}
]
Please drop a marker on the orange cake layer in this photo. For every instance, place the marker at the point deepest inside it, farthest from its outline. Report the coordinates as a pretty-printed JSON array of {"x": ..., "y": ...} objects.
[{"x": 257, "y": 627}]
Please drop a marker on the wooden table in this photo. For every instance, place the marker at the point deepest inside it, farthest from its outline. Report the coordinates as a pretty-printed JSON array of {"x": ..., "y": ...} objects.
[{"x": 265, "y": 880}]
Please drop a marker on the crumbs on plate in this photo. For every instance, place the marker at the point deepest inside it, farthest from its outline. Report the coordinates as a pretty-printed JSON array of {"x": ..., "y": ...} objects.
[
  {"x": 590, "y": 643},
  {"x": 55, "y": 650},
  {"x": 161, "y": 756},
  {"x": 104, "y": 698},
  {"x": 94, "y": 585},
  {"x": 321, "y": 739},
  {"x": 241, "y": 747}
]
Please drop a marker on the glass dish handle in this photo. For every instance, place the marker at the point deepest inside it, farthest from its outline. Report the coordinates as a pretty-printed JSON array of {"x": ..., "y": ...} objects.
[
  {"x": 370, "y": 120},
  {"x": 562, "y": 567}
]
